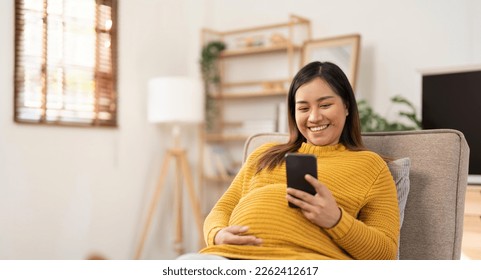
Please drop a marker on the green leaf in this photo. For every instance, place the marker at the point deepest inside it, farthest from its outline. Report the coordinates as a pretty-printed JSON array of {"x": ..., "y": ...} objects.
[{"x": 371, "y": 121}]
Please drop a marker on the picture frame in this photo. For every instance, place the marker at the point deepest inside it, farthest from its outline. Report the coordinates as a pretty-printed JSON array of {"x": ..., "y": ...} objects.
[{"x": 341, "y": 50}]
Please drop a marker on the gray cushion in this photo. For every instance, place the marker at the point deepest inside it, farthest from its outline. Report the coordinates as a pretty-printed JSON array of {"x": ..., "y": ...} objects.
[{"x": 400, "y": 172}]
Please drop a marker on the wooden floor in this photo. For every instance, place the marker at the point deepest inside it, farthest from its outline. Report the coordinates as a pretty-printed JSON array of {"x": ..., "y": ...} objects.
[
  {"x": 471, "y": 252},
  {"x": 472, "y": 238},
  {"x": 471, "y": 248}
]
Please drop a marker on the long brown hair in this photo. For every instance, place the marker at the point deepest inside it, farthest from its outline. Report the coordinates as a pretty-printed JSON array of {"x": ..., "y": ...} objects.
[{"x": 337, "y": 80}]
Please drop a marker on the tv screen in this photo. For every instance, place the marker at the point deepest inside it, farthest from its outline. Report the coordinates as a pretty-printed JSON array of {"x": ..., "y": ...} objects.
[{"x": 453, "y": 100}]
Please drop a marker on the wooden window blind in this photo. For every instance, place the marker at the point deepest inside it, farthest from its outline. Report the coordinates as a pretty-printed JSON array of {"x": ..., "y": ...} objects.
[{"x": 66, "y": 62}]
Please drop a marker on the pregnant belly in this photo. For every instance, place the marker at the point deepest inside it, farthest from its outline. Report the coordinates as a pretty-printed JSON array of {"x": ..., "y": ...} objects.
[{"x": 266, "y": 212}]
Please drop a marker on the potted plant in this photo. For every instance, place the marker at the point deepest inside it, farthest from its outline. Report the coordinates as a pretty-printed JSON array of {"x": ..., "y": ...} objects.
[{"x": 210, "y": 75}]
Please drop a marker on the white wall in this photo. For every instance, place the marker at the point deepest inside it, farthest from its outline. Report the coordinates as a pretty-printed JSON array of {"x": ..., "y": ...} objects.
[
  {"x": 399, "y": 38},
  {"x": 67, "y": 192}
]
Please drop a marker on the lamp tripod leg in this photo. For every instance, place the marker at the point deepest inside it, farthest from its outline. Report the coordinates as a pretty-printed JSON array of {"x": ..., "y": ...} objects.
[
  {"x": 178, "y": 242},
  {"x": 154, "y": 202},
  {"x": 193, "y": 198}
]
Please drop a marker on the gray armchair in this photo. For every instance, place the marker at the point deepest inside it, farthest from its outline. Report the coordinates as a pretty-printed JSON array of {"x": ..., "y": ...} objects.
[{"x": 434, "y": 214}]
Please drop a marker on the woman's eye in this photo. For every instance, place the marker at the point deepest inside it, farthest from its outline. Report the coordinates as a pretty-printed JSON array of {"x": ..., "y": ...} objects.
[
  {"x": 302, "y": 109},
  {"x": 325, "y": 105}
]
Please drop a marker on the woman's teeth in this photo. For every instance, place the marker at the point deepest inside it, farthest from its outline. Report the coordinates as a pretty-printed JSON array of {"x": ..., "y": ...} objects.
[{"x": 318, "y": 128}]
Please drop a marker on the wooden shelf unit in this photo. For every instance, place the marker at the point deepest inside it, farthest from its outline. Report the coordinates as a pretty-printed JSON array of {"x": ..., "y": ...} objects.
[
  {"x": 288, "y": 43},
  {"x": 219, "y": 137},
  {"x": 253, "y": 94},
  {"x": 259, "y": 50},
  {"x": 282, "y": 44}
]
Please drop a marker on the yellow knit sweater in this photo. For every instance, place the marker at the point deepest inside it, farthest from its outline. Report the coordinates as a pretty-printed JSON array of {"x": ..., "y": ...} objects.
[{"x": 361, "y": 184}]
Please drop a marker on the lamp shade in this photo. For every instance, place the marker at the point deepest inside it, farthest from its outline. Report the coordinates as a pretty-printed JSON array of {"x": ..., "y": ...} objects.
[{"x": 175, "y": 99}]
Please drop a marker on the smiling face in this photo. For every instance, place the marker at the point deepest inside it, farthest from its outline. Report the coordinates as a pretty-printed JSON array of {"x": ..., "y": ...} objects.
[{"x": 320, "y": 113}]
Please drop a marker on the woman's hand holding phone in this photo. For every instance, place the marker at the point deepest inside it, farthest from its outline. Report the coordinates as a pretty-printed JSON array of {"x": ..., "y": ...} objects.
[{"x": 321, "y": 208}]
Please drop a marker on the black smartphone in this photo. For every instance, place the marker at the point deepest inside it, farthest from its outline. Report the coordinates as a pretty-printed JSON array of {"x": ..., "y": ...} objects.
[{"x": 297, "y": 166}]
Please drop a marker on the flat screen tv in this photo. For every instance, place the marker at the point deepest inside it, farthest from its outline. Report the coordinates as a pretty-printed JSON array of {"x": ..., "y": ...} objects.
[{"x": 452, "y": 99}]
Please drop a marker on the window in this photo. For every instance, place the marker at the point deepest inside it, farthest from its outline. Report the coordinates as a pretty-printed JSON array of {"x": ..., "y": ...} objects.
[{"x": 65, "y": 62}]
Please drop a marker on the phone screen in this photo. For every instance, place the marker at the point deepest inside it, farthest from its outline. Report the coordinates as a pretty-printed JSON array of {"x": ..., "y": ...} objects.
[{"x": 297, "y": 166}]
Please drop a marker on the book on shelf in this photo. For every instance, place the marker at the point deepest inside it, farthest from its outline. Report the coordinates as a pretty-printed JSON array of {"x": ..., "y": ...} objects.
[
  {"x": 220, "y": 166},
  {"x": 218, "y": 162},
  {"x": 249, "y": 127},
  {"x": 209, "y": 167},
  {"x": 258, "y": 126},
  {"x": 281, "y": 118}
]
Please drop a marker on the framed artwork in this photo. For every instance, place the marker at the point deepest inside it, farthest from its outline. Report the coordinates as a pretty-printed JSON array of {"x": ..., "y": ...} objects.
[{"x": 341, "y": 50}]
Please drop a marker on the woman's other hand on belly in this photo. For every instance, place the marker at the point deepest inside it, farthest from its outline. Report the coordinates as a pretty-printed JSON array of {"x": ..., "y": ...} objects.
[{"x": 236, "y": 235}]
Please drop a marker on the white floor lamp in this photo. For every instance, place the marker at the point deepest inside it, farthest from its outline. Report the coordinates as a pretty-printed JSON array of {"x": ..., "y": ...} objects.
[{"x": 177, "y": 101}]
